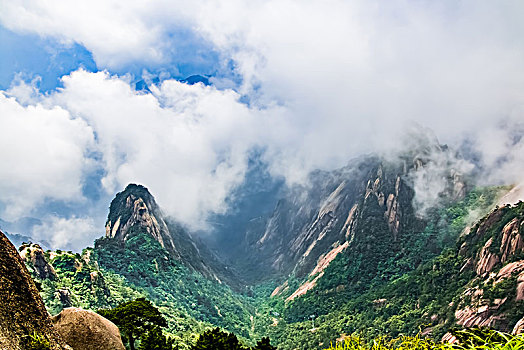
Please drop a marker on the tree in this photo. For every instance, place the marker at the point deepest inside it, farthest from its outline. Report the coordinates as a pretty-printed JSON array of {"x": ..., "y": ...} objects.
[
  {"x": 217, "y": 340},
  {"x": 264, "y": 345},
  {"x": 135, "y": 318},
  {"x": 155, "y": 340}
]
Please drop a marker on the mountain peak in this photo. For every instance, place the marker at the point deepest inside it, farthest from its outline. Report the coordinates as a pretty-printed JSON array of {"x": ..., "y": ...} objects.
[{"x": 136, "y": 209}]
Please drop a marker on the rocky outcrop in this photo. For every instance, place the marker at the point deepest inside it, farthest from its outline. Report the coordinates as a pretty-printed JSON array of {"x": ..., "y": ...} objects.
[
  {"x": 86, "y": 330},
  {"x": 136, "y": 207},
  {"x": 64, "y": 296},
  {"x": 135, "y": 211},
  {"x": 486, "y": 259},
  {"x": 23, "y": 316},
  {"x": 317, "y": 272},
  {"x": 369, "y": 200},
  {"x": 519, "y": 327},
  {"x": 34, "y": 257},
  {"x": 493, "y": 249},
  {"x": 512, "y": 241}
]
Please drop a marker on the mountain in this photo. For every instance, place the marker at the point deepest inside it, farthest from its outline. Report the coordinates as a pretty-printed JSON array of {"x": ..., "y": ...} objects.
[
  {"x": 145, "y": 254},
  {"x": 194, "y": 79},
  {"x": 135, "y": 210},
  {"x": 385, "y": 245},
  {"x": 365, "y": 206},
  {"x": 16, "y": 231},
  {"x": 493, "y": 251}
]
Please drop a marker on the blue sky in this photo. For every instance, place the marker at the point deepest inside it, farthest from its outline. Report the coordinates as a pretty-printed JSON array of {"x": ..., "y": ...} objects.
[
  {"x": 310, "y": 83},
  {"x": 29, "y": 56}
]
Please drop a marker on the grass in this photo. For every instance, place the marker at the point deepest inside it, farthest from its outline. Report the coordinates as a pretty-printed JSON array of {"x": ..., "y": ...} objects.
[{"x": 471, "y": 339}]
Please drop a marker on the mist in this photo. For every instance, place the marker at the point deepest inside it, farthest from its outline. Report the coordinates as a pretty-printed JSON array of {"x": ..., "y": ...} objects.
[{"x": 315, "y": 84}]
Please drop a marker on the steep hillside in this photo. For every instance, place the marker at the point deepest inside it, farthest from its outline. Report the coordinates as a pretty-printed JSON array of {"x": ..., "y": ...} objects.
[
  {"x": 355, "y": 251},
  {"x": 145, "y": 256},
  {"x": 478, "y": 282},
  {"x": 135, "y": 210},
  {"x": 366, "y": 211}
]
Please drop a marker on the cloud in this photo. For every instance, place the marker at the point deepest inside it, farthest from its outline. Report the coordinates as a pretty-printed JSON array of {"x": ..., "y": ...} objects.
[
  {"x": 188, "y": 143},
  {"x": 115, "y": 33},
  {"x": 42, "y": 152},
  {"x": 73, "y": 233},
  {"x": 324, "y": 81}
]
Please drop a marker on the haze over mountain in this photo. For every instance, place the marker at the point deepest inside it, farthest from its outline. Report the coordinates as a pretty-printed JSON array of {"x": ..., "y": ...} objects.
[{"x": 296, "y": 86}]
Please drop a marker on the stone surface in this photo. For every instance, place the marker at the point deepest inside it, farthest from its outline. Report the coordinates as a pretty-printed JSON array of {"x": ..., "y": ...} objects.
[
  {"x": 23, "y": 313},
  {"x": 33, "y": 255},
  {"x": 86, "y": 330},
  {"x": 519, "y": 327}
]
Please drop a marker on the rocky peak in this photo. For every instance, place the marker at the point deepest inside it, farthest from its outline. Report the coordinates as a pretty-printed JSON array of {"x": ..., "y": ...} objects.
[
  {"x": 136, "y": 208},
  {"x": 33, "y": 255},
  {"x": 372, "y": 198},
  {"x": 499, "y": 236}
]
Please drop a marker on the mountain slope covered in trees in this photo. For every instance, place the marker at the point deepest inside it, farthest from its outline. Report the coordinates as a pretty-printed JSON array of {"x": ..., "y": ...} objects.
[{"x": 353, "y": 252}]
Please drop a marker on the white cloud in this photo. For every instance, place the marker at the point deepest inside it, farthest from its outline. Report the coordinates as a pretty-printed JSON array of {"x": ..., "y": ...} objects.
[
  {"x": 326, "y": 80},
  {"x": 115, "y": 32},
  {"x": 72, "y": 233},
  {"x": 188, "y": 143},
  {"x": 42, "y": 155}
]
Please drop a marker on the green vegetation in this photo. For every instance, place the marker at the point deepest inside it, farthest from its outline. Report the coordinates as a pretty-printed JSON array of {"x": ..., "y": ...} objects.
[
  {"x": 472, "y": 339},
  {"x": 145, "y": 265},
  {"x": 37, "y": 342},
  {"x": 88, "y": 286},
  {"x": 138, "y": 319},
  {"x": 411, "y": 300},
  {"x": 382, "y": 287},
  {"x": 375, "y": 261},
  {"x": 219, "y": 340}
]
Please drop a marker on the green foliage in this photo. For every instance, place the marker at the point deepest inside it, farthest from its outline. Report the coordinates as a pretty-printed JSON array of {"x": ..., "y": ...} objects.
[
  {"x": 154, "y": 339},
  {"x": 89, "y": 286},
  {"x": 469, "y": 339},
  {"x": 264, "y": 344},
  {"x": 381, "y": 286},
  {"x": 147, "y": 266},
  {"x": 216, "y": 339},
  {"x": 405, "y": 294},
  {"x": 135, "y": 318},
  {"x": 37, "y": 341}
]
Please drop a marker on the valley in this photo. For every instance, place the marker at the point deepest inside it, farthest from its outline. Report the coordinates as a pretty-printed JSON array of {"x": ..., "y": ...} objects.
[{"x": 349, "y": 253}]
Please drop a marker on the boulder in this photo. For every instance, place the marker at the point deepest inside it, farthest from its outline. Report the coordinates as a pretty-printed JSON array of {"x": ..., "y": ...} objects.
[
  {"x": 87, "y": 330},
  {"x": 23, "y": 316}
]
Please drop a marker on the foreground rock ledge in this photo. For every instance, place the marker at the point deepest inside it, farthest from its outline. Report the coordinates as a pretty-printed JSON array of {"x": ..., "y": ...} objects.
[{"x": 22, "y": 313}]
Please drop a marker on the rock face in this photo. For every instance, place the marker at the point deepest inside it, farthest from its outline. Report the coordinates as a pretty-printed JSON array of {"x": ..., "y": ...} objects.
[
  {"x": 86, "y": 330},
  {"x": 34, "y": 256},
  {"x": 519, "y": 327},
  {"x": 136, "y": 207},
  {"x": 135, "y": 210},
  {"x": 23, "y": 313},
  {"x": 369, "y": 199},
  {"x": 493, "y": 249}
]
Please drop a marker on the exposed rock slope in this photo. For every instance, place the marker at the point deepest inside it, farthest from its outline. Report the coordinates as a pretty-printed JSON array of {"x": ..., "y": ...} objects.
[
  {"x": 494, "y": 251},
  {"x": 23, "y": 313},
  {"x": 135, "y": 210},
  {"x": 34, "y": 256},
  {"x": 369, "y": 199}
]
